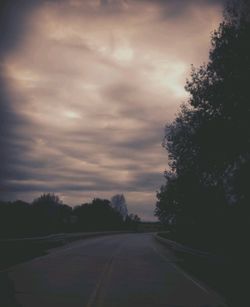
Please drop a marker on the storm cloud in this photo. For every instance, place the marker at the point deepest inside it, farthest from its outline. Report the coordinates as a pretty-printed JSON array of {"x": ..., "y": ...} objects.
[{"x": 86, "y": 89}]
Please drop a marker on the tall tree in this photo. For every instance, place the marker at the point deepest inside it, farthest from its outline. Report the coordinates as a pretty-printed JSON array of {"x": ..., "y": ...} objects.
[
  {"x": 209, "y": 141},
  {"x": 118, "y": 202}
]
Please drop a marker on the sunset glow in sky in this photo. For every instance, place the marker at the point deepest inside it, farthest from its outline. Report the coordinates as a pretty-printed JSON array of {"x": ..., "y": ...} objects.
[{"x": 86, "y": 90}]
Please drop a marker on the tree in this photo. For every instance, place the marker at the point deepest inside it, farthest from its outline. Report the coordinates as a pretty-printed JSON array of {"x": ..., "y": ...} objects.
[
  {"x": 167, "y": 206},
  {"x": 47, "y": 200},
  {"x": 118, "y": 202},
  {"x": 14, "y": 218},
  {"x": 49, "y": 214},
  {"x": 209, "y": 141},
  {"x": 97, "y": 215}
]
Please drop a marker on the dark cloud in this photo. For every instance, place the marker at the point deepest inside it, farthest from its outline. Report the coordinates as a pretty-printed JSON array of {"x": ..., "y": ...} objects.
[
  {"x": 182, "y": 4},
  {"x": 169, "y": 8},
  {"x": 13, "y": 17}
]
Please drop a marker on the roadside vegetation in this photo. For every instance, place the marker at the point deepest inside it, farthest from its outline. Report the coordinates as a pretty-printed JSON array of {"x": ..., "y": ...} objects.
[
  {"x": 205, "y": 201},
  {"x": 49, "y": 215}
]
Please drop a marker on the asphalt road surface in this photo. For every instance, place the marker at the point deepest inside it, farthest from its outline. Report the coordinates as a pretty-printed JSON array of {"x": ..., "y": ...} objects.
[{"x": 125, "y": 270}]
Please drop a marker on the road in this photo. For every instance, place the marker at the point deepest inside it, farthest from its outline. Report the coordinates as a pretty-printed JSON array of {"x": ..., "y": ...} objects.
[{"x": 125, "y": 270}]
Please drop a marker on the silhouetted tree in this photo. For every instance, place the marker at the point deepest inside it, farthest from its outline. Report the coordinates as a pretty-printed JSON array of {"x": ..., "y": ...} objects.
[
  {"x": 209, "y": 141},
  {"x": 98, "y": 215},
  {"x": 47, "y": 200},
  {"x": 47, "y": 214},
  {"x": 15, "y": 219},
  {"x": 118, "y": 202},
  {"x": 168, "y": 205}
]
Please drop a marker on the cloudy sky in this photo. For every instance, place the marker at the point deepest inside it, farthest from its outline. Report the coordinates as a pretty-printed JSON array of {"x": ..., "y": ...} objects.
[{"x": 86, "y": 89}]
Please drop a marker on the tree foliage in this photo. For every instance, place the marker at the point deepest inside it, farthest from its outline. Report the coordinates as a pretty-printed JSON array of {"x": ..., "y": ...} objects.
[
  {"x": 118, "y": 202},
  {"x": 98, "y": 215},
  {"x": 208, "y": 143},
  {"x": 48, "y": 214}
]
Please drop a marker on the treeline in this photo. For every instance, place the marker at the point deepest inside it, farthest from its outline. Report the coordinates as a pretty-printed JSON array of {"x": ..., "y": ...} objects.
[
  {"x": 206, "y": 197},
  {"x": 48, "y": 214}
]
